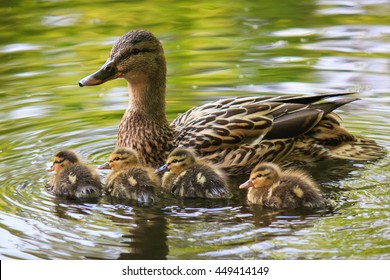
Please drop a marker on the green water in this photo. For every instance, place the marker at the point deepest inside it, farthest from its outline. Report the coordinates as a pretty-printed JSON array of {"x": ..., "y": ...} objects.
[{"x": 214, "y": 49}]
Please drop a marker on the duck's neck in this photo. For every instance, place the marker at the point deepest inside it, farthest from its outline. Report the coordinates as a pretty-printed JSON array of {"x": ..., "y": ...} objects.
[
  {"x": 144, "y": 126},
  {"x": 147, "y": 95}
]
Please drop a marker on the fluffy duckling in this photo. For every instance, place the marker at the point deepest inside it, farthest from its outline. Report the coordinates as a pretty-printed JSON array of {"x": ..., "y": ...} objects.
[
  {"x": 271, "y": 187},
  {"x": 128, "y": 178},
  {"x": 191, "y": 178},
  {"x": 72, "y": 178}
]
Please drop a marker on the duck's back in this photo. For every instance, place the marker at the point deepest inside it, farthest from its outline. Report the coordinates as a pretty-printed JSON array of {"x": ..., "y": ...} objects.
[
  {"x": 296, "y": 192},
  {"x": 77, "y": 181},
  {"x": 199, "y": 181},
  {"x": 132, "y": 183}
]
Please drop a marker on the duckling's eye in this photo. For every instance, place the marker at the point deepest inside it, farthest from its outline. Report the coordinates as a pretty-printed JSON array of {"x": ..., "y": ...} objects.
[
  {"x": 259, "y": 175},
  {"x": 135, "y": 51},
  {"x": 58, "y": 161},
  {"x": 117, "y": 158}
]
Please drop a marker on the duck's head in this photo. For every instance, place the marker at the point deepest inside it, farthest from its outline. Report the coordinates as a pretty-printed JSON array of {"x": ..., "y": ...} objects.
[
  {"x": 136, "y": 56},
  {"x": 63, "y": 159},
  {"x": 178, "y": 160},
  {"x": 121, "y": 158},
  {"x": 263, "y": 175}
]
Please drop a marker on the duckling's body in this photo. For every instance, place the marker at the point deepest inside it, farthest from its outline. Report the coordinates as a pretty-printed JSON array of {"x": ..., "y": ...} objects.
[
  {"x": 129, "y": 179},
  {"x": 72, "y": 178},
  {"x": 235, "y": 133},
  {"x": 271, "y": 187},
  {"x": 189, "y": 177}
]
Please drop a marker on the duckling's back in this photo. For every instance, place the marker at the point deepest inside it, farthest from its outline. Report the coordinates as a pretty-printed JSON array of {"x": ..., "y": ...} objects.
[
  {"x": 296, "y": 190},
  {"x": 132, "y": 183},
  {"x": 77, "y": 181},
  {"x": 201, "y": 181}
]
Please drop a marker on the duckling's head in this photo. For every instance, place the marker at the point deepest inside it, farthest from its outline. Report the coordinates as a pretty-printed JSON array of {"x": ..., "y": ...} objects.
[
  {"x": 178, "y": 160},
  {"x": 263, "y": 175},
  {"x": 122, "y": 158},
  {"x": 63, "y": 159},
  {"x": 135, "y": 56}
]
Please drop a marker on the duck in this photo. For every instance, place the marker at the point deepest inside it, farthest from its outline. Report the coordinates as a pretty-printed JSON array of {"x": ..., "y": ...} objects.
[
  {"x": 237, "y": 132},
  {"x": 189, "y": 177},
  {"x": 128, "y": 179},
  {"x": 72, "y": 178},
  {"x": 290, "y": 189}
]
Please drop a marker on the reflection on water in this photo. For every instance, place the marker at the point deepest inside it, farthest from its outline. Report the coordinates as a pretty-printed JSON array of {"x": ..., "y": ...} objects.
[{"x": 213, "y": 50}]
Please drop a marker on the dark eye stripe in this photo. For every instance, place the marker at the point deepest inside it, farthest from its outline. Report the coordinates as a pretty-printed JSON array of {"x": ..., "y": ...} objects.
[
  {"x": 263, "y": 174},
  {"x": 176, "y": 161},
  {"x": 116, "y": 159},
  {"x": 134, "y": 51},
  {"x": 58, "y": 161}
]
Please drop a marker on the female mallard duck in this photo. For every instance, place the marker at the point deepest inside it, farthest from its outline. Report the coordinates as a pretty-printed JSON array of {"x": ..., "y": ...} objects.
[
  {"x": 191, "y": 178},
  {"x": 128, "y": 178},
  {"x": 237, "y": 133},
  {"x": 72, "y": 178},
  {"x": 271, "y": 187}
]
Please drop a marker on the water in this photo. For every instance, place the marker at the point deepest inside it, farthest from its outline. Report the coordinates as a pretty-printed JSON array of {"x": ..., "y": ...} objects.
[{"x": 213, "y": 50}]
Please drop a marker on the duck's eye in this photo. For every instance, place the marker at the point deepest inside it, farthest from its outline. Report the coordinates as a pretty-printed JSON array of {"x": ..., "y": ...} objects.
[
  {"x": 135, "y": 51},
  {"x": 259, "y": 175},
  {"x": 58, "y": 161},
  {"x": 117, "y": 158}
]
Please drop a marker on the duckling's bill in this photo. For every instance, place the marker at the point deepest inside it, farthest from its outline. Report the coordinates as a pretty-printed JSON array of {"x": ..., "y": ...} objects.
[
  {"x": 50, "y": 168},
  {"x": 162, "y": 168},
  {"x": 105, "y": 165},
  {"x": 246, "y": 185}
]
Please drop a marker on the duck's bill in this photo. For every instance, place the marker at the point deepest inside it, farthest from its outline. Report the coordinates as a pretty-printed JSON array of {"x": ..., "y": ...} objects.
[
  {"x": 104, "y": 166},
  {"x": 50, "y": 169},
  {"x": 162, "y": 168},
  {"x": 106, "y": 73},
  {"x": 248, "y": 184}
]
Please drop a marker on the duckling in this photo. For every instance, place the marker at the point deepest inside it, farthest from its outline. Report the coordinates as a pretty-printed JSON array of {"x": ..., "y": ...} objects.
[
  {"x": 237, "y": 132},
  {"x": 271, "y": 187},
  {"x": 128, "y": 178},
  {"x": 191, "y": 178},
  {"x": 72, "y": 178}
]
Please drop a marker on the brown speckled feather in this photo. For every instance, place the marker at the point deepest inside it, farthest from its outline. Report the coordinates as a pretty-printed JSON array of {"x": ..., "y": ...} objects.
[{"x": 151, "y": 139}]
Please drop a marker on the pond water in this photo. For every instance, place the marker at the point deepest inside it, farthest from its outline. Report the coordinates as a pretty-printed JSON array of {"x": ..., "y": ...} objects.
[{"x": 214, "y": 49}]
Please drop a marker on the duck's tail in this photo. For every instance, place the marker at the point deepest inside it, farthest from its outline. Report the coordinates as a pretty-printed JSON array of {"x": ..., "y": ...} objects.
[
  {"x": 359, "y": 149},
  {"x": 333, "y": 141}
]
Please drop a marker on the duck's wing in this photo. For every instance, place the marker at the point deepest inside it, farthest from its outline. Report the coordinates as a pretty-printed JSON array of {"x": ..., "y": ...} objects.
[
  {"x": 236, "y": 102},
  {"x": 243, "y": 159},
  {"x": 296, "y": 121},
  {"x": 232, "y": 122}
]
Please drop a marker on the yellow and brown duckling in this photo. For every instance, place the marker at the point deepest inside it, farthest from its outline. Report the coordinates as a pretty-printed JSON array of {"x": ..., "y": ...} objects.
[
  {"x": 236, "y": 133},
  {"x": 128, "y": 179},
  {"x": 190, "y": 177},
  {"x": 271, "y": 187},
  {"x": 72, "y": 178}
]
